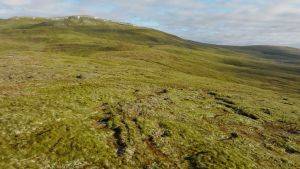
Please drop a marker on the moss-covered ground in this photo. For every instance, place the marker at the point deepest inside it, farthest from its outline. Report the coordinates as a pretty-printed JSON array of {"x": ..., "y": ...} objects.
[{"x": 86, "y": 93}]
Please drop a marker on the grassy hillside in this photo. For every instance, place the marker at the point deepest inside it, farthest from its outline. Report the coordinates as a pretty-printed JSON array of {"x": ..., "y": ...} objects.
[
  {"x": 78, "y": 92},
  {"x": 281, "y": 54}
]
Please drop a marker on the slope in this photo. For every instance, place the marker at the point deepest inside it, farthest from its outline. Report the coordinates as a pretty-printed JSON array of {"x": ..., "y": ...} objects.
[{"x": 78, "y": 92}]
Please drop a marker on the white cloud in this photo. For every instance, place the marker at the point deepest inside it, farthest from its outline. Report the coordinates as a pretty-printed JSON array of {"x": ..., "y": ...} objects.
[
  {"x": 236, "y": 22},
  {"x": 15, "y": 2}
]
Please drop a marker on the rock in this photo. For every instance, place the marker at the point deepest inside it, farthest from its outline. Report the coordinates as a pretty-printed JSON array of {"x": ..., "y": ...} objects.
[
  {"x": 212, "y": 93},
  {"x": 163, "y": 91},
  {"x": 166, "y": 133},
  {"x": 104, "y": 121},
  {"x": 79, "y": 76},
  {"x": 234, "y": 135},
  {"x": 267, "y": 111}
]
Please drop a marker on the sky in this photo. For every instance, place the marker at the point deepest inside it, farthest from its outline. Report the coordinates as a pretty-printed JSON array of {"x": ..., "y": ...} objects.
[{"x": 226, "y": 22}]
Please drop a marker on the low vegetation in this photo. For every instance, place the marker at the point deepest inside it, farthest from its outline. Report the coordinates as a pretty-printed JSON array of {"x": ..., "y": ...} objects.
[{"x": 79, "y": 92}]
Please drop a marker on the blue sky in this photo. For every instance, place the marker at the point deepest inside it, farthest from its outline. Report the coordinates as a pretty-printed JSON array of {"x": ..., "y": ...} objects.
[{"x": 230, "y": 22}]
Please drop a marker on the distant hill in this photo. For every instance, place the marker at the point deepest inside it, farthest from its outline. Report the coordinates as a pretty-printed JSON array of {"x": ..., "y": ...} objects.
[
  {"x": 278, "y": 53},
  {"x": 83, "y": 92}
]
